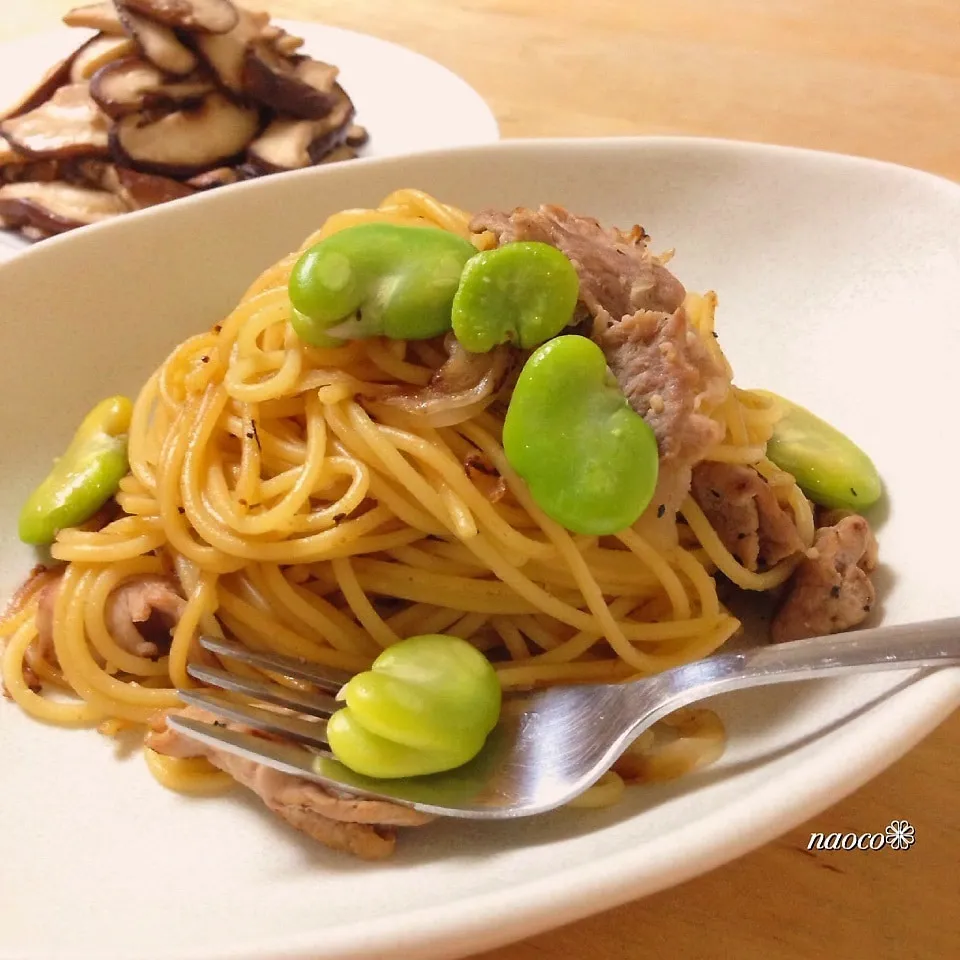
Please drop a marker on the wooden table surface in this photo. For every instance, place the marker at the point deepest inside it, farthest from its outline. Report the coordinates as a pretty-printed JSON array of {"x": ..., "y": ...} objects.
[{"x": 879, "y": 78}]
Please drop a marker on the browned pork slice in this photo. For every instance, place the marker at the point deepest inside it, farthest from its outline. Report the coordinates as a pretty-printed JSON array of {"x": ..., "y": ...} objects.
[
  {"x": 618, "y": 274},
  {"x": 669, "y": 378},
  {"x": 365, "y": 828},
  {"x": 745, "y": 513},
  {"x": 142, "y": 613},
  {"x": 662, "y": 365},
  {"x": 831, "y": 590}
]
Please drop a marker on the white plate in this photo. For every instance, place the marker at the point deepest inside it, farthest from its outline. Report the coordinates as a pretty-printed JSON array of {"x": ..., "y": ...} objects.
[
  {"x": 408, "y": 102},
  {"x": 836, "y": 279}
]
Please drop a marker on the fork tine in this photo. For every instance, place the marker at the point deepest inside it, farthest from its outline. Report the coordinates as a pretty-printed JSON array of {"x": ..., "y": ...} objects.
[
  {"x": 280, "y": 724},
  {"x": 279, "y": 754},
  {"x": 327, "y": 678},
  {"x": 316, "y": 765},
  {"x": 313, "y": 704}
]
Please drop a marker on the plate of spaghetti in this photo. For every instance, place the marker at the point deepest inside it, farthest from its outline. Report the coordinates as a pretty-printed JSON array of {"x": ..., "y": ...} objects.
[{"x": 552, "y": 412}]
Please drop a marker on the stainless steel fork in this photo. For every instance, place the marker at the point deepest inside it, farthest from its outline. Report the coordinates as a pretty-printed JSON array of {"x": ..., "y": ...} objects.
[{"x": 550, "y": 745}]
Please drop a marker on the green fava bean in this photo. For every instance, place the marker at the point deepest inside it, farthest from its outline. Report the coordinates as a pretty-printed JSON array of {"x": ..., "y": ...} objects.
[
  {"x": 589, "y": 459},
  {"x": 521, "y": 293},
  {"x": 84, "y": 478},
  {"x": 427, "y": 704},
  {"x": 377, "y": 279},
  {"x": 829, "y": 467}
]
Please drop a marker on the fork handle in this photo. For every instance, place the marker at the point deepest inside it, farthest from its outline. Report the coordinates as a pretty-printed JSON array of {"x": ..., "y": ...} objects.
[{"x": 934, "y": 643}]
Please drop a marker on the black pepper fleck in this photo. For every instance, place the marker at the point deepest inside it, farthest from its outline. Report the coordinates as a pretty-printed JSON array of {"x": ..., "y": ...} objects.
[
  {"x": 181, "y": 510},
  {"x": 716, "y": 336},
  {"x": 204, "y": 359},
  {"x": 250, "y": 434},
  {"x": 854, "y": 492},
  {"x": 835, "y": 592},
  {"x": 661, "y": 510}
]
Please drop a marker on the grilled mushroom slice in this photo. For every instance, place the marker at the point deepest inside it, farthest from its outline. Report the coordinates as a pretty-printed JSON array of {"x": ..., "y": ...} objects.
[
  {"x": 298, "y": 86},
  {"x": 225, "y": 52},
  {"x": 37, "y": 171},
  {"x": 68, "y": 124},
  {"x": 137, "y": 190},
  {"x": 128, "y": 85},
  {"x": 187, "y": 141},
  {"x": 343, "y": 152},
  {"x": 280, "y": 40},
  {"x": 56, "y": 207},
  {"x": 210, "y": 16},
  {"x": 356, "y": 136},
  {"x": 42, "y": 90},
  {"x": 218, "y": 177},
  {"x": 293, "y": 144},
  {"x": 159, "y": 43},
  {"x": 95, "y": 16},
  {"x": 97, "y": 53},
  {"x": 140, "y": 190},
  {"x": 8, "y": 155}
]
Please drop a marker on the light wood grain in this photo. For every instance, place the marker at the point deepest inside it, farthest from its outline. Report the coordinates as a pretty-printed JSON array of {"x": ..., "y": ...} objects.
[{"x": 879, "y": 78}]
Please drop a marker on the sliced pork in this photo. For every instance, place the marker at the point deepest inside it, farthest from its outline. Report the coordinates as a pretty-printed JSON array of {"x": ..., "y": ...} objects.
[
  {"x": 744, "y": 511},
  {"x": 831, "y": 590},
  {"x": 365, "y": 828},
  {"x": 669, "y": 378},
  {"x": 142, "y": 613},
  {"x": 618, "y": 274},
  {"x": 636, "y": 304}
]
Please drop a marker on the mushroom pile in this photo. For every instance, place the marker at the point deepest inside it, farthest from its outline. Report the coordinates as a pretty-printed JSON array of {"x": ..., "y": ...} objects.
[{"x": 167, "y": 98}]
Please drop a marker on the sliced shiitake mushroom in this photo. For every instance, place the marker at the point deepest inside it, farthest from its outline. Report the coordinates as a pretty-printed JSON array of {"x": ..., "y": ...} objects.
[
  {"x": 137, "y": 190},
  {"x": 343, "y": 152},
  {"x": 293, "y": 144},
  {"x": 218, "y": 177},
  {"x": 128, "y": 85},
  {"x": 68, "y": 124},
  {"x": 187, "y": 141},
  {"x": 356, "y": 136},
  {"x": 142, "y": 190},
  {"x": 210, "y": 16},
  {"x": 55, "y": 207},
  {"x": 280, "y": 40},
  {"x": 42, "y": 90},
  {"x": 95, "y": 16},
  {"x": 159, "y": 43},
  {"x": 225, "y": 52},
  {"x": 97, "y": 53},
  {"x": 39, "y": 171},
  {"x": 8, "y": 155},
  {"x": 299, "y": 86}
]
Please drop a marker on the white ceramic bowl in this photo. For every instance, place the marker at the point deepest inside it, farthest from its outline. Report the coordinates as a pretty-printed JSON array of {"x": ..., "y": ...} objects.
[{"x": 837, "y": 279}]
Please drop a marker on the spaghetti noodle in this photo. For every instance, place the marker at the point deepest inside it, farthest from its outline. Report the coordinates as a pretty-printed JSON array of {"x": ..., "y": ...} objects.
[{"x": 302, "y": 515}]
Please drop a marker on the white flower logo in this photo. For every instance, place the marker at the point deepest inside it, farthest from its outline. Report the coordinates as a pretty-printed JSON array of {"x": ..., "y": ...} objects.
[{"x": 900, "y": 835}]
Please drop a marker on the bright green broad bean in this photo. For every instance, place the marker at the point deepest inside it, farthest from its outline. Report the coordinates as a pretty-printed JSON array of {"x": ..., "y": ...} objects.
[
  {"x": 377, "y": 279},
  {"x": 521, "y": 293},
  {"x": 426, "y": 705},
  {"x": 829, "y": 467},
  {"x": 84, "y": 478},
  {"x": 589, "y": 459}
]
